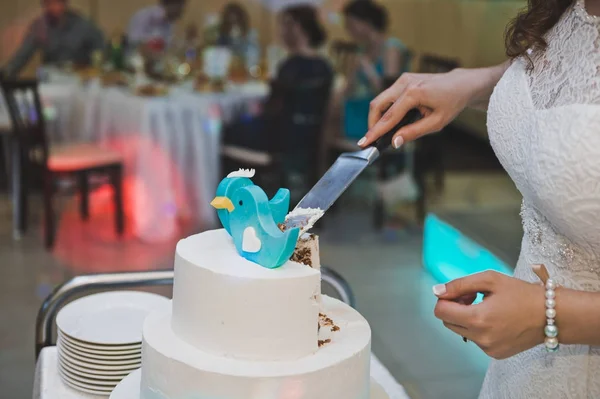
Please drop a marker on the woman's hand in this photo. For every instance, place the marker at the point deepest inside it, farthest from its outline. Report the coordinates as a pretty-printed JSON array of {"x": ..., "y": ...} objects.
[
  {"x": 439, "y": 97},
  {"x": 510, "y": 319}
]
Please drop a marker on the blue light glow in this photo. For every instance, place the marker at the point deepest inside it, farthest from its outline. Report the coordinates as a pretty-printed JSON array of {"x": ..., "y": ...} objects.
[{"x": 448, "y": 254}]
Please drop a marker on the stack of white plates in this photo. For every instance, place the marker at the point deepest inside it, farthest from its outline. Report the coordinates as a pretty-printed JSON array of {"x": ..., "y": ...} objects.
[{"x": 100, "y": 338}]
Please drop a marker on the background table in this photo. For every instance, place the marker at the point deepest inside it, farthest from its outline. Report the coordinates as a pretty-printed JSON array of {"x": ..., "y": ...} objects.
[
  {"x": 48, "y": 385},
  {"x": 171, "y": 150},
  {"x": 170, "y": 145}
]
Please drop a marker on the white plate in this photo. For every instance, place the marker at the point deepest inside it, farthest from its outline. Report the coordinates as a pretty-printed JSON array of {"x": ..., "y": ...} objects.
[
  {"x": 101, "y": 373},
  {"x": 67, "y": 347},
  {"x": 100, "y": 367},
  {"x": 103, "y": 348},
  {"x": 87, "y": 362},
  {"x": 86, "y": 390},
  {"x": 101, "y": 391},
  {"x": 76, "y": 347},
  {"x": 130, "y": 388},
  {"x": 68, "y": 369},
  {"x": 90, "y": 382},
  {"x": 109, "y": 318}
]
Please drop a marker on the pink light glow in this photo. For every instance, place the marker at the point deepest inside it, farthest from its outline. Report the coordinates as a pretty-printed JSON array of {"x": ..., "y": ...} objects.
[
  {"x": 156, "y": 211},
  {"x": 154, "y": 191}
]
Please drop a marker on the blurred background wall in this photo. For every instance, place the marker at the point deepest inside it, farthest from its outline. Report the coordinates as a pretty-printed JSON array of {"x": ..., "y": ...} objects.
[{"x": 469, "y": 30}]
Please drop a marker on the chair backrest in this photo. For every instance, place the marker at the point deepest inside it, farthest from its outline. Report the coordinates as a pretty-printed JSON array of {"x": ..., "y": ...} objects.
[
  {"x": 27, "y": 117},
  {"x": 435, "y": 64},
  {"x": 342, "y": 53},
  {"x": 298, "y": 128}
]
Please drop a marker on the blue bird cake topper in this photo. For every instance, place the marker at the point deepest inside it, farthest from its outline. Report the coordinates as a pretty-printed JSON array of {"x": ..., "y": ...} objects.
[{"x": 251, "y": 219}]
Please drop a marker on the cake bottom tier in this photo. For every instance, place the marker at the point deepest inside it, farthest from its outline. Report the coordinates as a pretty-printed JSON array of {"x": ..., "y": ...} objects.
[
  {"x": 129, "y": 388},
  {"x": 173, "y": 369}
]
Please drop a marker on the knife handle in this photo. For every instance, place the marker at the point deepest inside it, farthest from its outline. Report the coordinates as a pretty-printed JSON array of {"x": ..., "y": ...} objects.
[{"x": 385, "y": 141}]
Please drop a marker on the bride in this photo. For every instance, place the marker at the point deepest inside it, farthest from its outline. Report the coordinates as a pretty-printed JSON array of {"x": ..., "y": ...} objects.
[{"x": 544, "y": 125}]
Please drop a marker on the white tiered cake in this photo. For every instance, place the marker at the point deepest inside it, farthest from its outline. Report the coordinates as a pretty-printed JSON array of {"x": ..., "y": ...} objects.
[{"x": 237, "y": 330}]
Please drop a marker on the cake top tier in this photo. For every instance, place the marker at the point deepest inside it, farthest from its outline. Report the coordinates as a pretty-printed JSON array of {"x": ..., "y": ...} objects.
[
  {"x": 215, "y": 251},
  {"x": 228, "y": 306}
]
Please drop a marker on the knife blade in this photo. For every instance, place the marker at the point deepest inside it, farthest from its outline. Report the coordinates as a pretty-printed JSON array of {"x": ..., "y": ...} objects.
[{"x": 339, "y": 177}]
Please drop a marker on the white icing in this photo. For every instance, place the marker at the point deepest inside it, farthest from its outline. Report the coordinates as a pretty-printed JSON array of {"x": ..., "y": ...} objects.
[
  {"x": 129, "y": 388},
  {"x": 305, "y": 218},
  {"x": 227, "y": 306},
  {"x": 311, "y": 243},
  {"x": 249, "y": 173},
  {"x": 250, "y": 242},
  {"x": 173, "y": 369}
]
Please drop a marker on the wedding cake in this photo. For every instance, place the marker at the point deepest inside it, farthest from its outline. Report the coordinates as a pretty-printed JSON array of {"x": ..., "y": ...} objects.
[{"x": 238, "y": 330}]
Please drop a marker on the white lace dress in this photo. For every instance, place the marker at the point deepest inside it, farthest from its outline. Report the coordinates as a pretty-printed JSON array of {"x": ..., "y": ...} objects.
[{"x": 544, "y": 126}]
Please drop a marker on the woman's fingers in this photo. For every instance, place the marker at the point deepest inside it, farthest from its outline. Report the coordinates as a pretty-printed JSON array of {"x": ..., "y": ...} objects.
[
  {"x": 483, "y": 282},
  {"x": 467, "y": 299},
  {"x": 379, "y": 105},
  {"x": 460, "y": 330},
  {"x": 385, "y": 100},
  {"x": 390, "y": 118},
  {"x": 428, "y": 124},
  {"x": 455, "y": 313}
]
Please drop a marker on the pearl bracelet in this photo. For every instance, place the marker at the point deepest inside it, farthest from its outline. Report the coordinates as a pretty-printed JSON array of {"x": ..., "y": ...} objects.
[{"x": 551, "y": 331}]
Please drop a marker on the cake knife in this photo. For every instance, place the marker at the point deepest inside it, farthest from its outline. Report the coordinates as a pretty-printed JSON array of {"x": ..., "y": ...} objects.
[{"x": 338, "y": 178}]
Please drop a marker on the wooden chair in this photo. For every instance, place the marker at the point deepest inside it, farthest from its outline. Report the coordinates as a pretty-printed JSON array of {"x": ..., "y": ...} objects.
[
  {"x": 77, "y": 161},
  {"x": 291, "y": 116}
]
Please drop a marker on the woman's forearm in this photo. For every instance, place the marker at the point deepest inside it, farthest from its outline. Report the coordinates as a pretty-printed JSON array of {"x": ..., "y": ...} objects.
[
  {"x": 485, "y": 80},
  {"x": 578, "y": 317}
]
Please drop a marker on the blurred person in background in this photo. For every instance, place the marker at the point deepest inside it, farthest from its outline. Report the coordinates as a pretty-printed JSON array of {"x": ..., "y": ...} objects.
[
  {"x": 381, "y": 58},
  {"x": 155, "y": 23},
  {"x": 543, "y": 122},
  {"x": 235, "y": 32},
  {"x": 62, "y": 35},
  {"x": 302, "y": 35}
]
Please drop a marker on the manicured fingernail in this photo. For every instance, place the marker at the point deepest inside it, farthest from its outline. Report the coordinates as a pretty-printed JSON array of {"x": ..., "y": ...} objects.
[
  {"x": 439, "y": 289},
  {"x": 362, "y": 141},
  {"x": 398, "y": 141}
]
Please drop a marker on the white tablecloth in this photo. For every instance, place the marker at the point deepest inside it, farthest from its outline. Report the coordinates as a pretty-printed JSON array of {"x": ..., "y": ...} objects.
[
  {"x": 170, "y": 147},
  {"x": 48, "y": 385}
]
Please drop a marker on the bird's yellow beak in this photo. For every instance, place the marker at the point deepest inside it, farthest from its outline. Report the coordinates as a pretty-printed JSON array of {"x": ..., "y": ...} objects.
[{"x": 222, "y": 203}]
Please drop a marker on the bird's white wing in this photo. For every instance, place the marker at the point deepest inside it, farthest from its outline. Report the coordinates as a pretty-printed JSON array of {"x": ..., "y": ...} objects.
[
  {"x": 250, "y": 241},
  {"x": 249, "y": 173}
]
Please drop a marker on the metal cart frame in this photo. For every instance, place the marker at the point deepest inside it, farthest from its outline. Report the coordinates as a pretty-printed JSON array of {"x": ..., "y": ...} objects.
[{"x": 86, "y": 284}]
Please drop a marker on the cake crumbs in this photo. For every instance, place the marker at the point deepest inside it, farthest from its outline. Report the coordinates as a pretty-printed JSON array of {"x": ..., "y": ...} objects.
[
  {"x": 282, "y": 226},
  {"x": 324, "y": 341},
  {"x": 325, "y": 321},
  {"x": 302, "y": 256}
]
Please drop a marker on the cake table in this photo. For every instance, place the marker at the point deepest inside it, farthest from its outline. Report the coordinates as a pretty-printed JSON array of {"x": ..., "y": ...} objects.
[{"x": 48, "y": 385}]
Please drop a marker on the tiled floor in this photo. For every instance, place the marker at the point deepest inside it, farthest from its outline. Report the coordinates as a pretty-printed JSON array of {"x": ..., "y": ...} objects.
[{"x": 392, "y": 289}]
